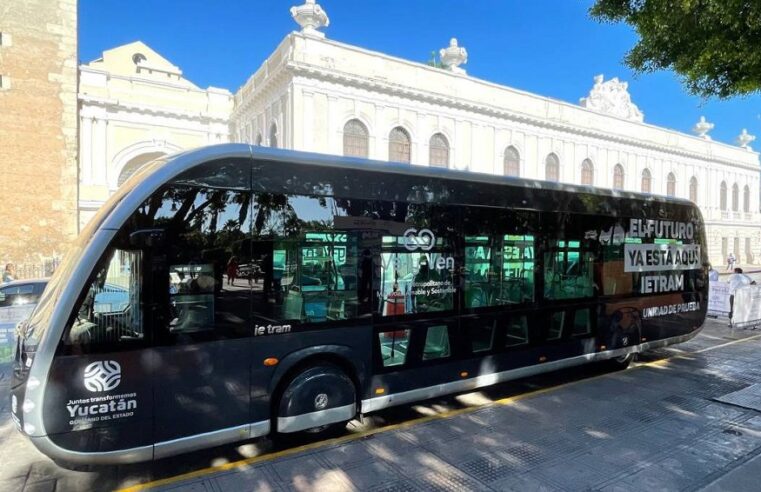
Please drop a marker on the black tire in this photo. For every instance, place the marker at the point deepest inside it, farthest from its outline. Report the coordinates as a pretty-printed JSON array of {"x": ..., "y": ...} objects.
[
  {"x": 79, "y": 468},
  {"x": 619, "y": 363},
  {"x": 310, "y": 388}
]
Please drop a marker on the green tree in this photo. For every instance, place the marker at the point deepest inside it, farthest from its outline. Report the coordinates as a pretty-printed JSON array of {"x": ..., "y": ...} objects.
[{"x": 714, "y": 45}]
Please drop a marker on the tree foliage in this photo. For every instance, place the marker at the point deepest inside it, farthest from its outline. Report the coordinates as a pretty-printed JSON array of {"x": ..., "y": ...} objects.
[{"x": 715, "y": 45}]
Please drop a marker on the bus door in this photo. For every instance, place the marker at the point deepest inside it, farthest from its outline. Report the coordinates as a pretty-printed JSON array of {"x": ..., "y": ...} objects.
[
  {"x": 415, "y": 327},
  {"x": 570, "y": 294}
]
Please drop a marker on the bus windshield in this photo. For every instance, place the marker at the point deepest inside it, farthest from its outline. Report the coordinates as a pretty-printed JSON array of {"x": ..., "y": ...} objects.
[{"x": 38, "y": 321}]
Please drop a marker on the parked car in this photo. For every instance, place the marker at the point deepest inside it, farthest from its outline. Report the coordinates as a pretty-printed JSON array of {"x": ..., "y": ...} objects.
[{"x": 17, "y": 301}]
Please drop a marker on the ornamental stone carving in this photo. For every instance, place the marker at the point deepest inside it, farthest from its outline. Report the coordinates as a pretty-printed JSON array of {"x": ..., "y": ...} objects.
[
  {"x": 702, "y": 128},
  {"x": 310, "y": 17},
  {"x": 612, "y": 97},
  {"x": 744, "y": 139},
  {"x": 453, "y": 56}
]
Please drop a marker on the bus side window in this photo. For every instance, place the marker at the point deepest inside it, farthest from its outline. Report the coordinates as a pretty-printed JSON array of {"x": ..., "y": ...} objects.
[
  {"x": 582, "y": 322},
  {"x": 394, "y": 345},
  {"x": 110, "y": 311},
  {"x": 517, "y": 331},
  {"x": 568, "y": 271},
  {"x": 436, "y": 343},
  {"x": 191, "y": 297},
  {"x": 555, "y": 330}
]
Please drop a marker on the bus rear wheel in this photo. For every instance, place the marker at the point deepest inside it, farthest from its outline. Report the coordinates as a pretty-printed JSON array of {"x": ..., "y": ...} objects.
[{"x": 316, "y": 402}]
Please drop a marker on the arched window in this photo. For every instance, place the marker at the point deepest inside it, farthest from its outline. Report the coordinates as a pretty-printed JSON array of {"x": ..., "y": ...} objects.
[
  {"x": 694, "y": 189},
  {"x": 258, "y": 139},
  {"x": 273, "y": 136},
  {"x": 438, "y": 151},
  {"x": 746, "y": 199},
  {"x": 723, "y": 196},
  {"x": 552, "y": 168},
  {"x": 356, "y": 138},
  {"x": 735, "y": 198},
  {"x": 399, "y": 145},
  {"x": 512, "y": 162},
  {"x": 618, "y": 177},
  {"x": 646, "y": 181},
  {"x": 587, "y": 173},
  {"x": 671, "y": 185}
]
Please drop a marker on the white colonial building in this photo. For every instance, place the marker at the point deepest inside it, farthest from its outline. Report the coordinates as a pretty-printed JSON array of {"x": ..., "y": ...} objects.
[
  {"x": 319, "y": 95},
  {"x": 135, "y": 106}
]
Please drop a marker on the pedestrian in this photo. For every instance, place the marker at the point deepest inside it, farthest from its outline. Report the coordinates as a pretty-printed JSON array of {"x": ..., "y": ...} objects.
[
  {"x": 731, "y": 262},
  {"x": 9, "y": 274},
  {"x": 713, "y": 275},
  {"x": 736, "y": 281},
  {"x": 232, "y": 270}
]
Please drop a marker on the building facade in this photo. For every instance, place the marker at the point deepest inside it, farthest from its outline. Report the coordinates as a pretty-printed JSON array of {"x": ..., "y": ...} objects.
[
  {"x": 136, "y": 106},
  {"x": 315, "y": 94},
  {"x": 38, "y": 132}
]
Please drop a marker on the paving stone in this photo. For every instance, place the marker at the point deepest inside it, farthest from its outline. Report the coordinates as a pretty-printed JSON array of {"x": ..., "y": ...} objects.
[
  {"x": 203, "y": 485},
  {"x": 347, "y": 455},
  {"x": 749, "y": 397},
  {"x": 487, "y": 469},
  {"x": 333, "y": 481},
  {"x": 389, "y": 446},
  {"x": 421, "y": 460},
  {"x": 254, "y": 480},
  {"x": 372, "y": 475},
  {"x": 577, "y": 474},
  {"x": 525, "y": 483},
  {"x": 396, "y": 486},
  {"x": 297, "y": 468},
  {"x": 448, "y": 481},
  {"x": 651, "y": 478}
]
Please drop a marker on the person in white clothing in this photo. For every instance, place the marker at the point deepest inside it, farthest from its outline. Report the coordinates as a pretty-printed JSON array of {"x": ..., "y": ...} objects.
[
  {"x": 713, "y": 275},
  {"x": 736, "y": 281}
]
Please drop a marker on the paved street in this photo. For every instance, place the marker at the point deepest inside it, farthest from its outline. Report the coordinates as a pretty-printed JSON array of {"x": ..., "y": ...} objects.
[{"x": 682, "y": 419}]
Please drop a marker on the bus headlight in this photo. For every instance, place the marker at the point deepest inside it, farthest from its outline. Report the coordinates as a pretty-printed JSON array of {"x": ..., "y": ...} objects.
[
  {"x": 28, "y": 406},
  {"x": 32, "y": 383},
  {"x": 29, "y": 429}
]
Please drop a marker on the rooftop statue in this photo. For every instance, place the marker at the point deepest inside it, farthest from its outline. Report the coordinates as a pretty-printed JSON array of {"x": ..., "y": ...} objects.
[
  {"x": 612, "y": 97},
  {"x": 310, "y": 17},
  {"x": 453, "y": 56}
]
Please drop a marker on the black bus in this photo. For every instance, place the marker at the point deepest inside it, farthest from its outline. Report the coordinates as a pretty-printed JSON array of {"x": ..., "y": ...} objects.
[{"x": 235, "y": 291}]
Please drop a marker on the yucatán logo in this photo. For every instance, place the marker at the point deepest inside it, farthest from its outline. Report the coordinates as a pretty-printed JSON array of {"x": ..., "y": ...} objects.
[{"x": 103, "y": 375}]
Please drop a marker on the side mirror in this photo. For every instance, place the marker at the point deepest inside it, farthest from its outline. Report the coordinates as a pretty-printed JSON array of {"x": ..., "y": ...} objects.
[{"x": 147, "y": 238}]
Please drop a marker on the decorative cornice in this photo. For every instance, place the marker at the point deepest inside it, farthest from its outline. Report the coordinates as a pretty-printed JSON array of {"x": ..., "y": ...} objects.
[
  {"x": 116, "y": 105},
  {"x": 438, "y": 99},
  {"x": 279, "y": 78}
]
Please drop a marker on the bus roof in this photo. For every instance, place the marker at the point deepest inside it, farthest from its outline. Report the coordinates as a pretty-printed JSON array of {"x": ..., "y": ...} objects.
[{"x": 328, "y": 160}]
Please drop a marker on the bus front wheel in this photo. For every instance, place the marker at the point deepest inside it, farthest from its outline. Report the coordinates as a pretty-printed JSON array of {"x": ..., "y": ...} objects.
[{"x": 316, "y": 400}]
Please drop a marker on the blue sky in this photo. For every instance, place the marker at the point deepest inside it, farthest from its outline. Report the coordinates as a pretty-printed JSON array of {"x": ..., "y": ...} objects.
[{"x": 548, "y": 47}]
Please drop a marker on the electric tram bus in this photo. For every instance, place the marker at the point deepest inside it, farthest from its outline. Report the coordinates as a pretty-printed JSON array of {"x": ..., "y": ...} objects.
[{"x": 237, "y": 291}]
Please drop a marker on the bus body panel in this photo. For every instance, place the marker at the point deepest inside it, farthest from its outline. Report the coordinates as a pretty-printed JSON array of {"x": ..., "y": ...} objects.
[{"x": 213, "y": 388}]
